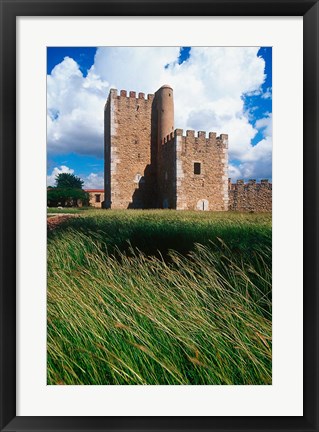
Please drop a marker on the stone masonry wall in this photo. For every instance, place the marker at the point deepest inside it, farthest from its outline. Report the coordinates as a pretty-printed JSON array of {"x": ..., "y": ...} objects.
[
  {"x": 207, "y": 190},
  {"x": 250, "y": 197},
  {"x": 130, "y": 181},
  {"x": 96, "y": 197}
]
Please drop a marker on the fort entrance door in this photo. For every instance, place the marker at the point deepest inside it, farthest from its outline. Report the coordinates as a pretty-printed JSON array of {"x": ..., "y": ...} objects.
[{"x": 202, "y": 205}]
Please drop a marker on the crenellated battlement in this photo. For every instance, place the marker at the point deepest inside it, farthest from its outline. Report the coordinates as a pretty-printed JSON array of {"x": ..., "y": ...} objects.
[
  {"x": 168, "y": 138},
  {"x": 130, "y": 94},
  {"x": 192, "y": 137},
  {"x": 251, "y": 184}
]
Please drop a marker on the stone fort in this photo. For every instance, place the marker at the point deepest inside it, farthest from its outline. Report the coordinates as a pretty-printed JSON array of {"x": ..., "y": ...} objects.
[{"x": 150, "y": 164}]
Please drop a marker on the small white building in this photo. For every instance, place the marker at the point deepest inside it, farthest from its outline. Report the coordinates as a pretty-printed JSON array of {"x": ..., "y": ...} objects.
[{"x": 96, "y": 197}]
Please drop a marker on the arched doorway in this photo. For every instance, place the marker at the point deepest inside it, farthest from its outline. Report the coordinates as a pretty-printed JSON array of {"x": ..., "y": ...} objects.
[
  {"x": 165, "y": 203},
  {"x": 202, "y": 204}
]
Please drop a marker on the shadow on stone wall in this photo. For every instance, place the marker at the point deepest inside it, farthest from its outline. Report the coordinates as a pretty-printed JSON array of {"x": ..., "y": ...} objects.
[{"x": 144, "y": 196}]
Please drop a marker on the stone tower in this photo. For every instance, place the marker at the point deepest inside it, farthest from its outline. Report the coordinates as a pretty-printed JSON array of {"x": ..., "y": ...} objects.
[
  {"x": 130, "y": 172},
  {"x": 148, "y": 164},
  {"x": 165, "y": 107}
]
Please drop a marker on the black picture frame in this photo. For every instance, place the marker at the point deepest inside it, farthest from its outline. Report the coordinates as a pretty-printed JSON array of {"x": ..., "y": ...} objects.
[{"x": 10, "y": 9}]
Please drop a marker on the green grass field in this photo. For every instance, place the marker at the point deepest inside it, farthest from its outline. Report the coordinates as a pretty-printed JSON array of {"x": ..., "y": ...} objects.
[
  {"x": 75, "y": 210},
  {"x": 160, "y": 297}
]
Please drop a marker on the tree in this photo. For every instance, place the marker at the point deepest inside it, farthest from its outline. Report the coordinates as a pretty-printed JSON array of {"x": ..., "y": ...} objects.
[
  {"x": 67, "y": 180},
  {"x": 68, "y": 191},
  {"x": 66, "y": 197}
]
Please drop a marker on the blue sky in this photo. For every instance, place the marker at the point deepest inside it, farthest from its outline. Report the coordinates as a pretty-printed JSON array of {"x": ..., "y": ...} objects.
[{"x": 226, "y": 90}]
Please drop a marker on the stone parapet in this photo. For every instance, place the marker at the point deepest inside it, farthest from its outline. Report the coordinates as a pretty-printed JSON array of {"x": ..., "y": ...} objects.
[
  {"x": 129, "y": 94},
  {"x": 194, "y": 138},
  {"x": 250, "y": 196}
]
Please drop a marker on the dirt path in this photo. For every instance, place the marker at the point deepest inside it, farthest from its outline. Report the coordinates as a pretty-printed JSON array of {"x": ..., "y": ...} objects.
[{"x": 56, "y": 219}]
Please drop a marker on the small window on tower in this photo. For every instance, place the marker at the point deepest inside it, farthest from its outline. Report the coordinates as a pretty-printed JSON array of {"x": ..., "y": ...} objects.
[{"x": 197, "y": 168}]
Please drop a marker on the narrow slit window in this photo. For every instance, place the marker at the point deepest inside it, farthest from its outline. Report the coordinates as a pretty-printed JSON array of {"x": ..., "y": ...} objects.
[{"x": 197, "y": 168}]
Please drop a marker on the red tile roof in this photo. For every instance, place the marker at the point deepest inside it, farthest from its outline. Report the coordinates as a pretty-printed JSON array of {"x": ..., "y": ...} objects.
[{"x": 94, "y": 190}]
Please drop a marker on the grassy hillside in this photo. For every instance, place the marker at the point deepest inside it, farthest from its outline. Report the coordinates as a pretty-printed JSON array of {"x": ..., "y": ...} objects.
[{"x": 160, "y": 297}]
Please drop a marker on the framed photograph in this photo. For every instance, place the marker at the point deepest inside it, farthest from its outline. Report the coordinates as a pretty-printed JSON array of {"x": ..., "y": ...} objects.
[{"x": 159, "y": 224}]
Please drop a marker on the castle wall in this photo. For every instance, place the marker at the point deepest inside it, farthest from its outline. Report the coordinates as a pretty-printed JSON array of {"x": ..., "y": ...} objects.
[
  {"x": 250, "y": 197},
  {"x": 130, "y": 181},
  {"x": 206, "y": 189}
]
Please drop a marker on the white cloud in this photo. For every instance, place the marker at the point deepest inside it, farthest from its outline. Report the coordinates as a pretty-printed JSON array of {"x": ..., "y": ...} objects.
[
  {"x": 267, "y": 94},
  {"x": 234, "y": 172},
  {"x": 208, "y": 90},
  {"x": 266, "y": 125},
  {"x": 94, "y": 181},
  {"x": 56, "y": 171},
  {"x": 75, "y": 110},
  {"x": 256, "y": 164},
  {"x": 141, "y": 69}
]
